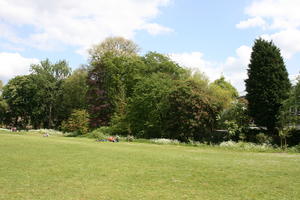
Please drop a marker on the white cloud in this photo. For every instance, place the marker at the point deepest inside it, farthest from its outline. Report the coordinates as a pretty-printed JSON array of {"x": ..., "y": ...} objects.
[
  {"x": 288, "y": 41},
  {"x": 233, "y": 68},
  {"x": 13, "y": 64},
  {"x": 252, "y": 22},
  {"x": 196, "y": 62},
  {"x": 155, "y": 29},
  {"x": 281, "y": 17},
  {"x": 282, "y": 14},
  {"x": 75, "y": 22},
  {"x": 294, "y": 78}
]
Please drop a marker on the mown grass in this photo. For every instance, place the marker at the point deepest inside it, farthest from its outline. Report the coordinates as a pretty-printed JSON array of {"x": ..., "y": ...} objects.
[{"x": 62, "y": 168}]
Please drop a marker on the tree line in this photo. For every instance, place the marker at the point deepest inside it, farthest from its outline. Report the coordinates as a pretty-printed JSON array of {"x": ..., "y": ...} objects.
[{"x": 151, "y": 96}]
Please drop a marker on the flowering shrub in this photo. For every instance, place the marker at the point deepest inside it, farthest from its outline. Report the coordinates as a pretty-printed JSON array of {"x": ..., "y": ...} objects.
[
  {"x": 47, "y": 131},
  {"x": 247, "y": 146},
  {"x": 164, "y": 141}
]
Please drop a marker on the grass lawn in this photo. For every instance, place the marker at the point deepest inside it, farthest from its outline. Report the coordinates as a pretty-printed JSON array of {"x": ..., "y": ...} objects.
[{"x": 60, "y": 168}]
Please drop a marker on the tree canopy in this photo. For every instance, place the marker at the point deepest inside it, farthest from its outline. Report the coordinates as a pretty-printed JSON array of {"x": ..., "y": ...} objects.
[{"x": 117, "y": 46}]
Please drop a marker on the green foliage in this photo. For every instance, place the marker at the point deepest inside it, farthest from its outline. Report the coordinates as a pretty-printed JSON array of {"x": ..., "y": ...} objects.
[
  {"x": 119, "y": 124},
  {"x": 295, "y": 149},
  {"x": 19, "y": 94},
  {"x": 235, "y": 119},
  {"x": 222, "y": 83},
  {"x": 3, "y": 106},
  {"x": 159, "y": 63},
  {"x": 179, "y": 109},
  {"x": 232, "y": 128},
  {"x": 112, "y": 84},
  {"x": 3, "y": 111},
  {"x": 111, "y": 81},
  {"x": 148, "y": 107},
  {"x": 267, "y": 85},
  {"x": 192, "y": 112},
  {"x": 116, "y": 46},
  {"x": 263, "y": 138},
  {"x": 74, "y": 90},
  {"x": 114, "y": 69},
  {"x": 290, "y": 110},
  {"x": 222, "y": 97},
  {"x": 130, "y": 138},
  {"x": 49, "y": 78},
  {"x": 35, "y": 99},
  {"x": 99, "y": 133},
  {"x": 77, "y": 123}
]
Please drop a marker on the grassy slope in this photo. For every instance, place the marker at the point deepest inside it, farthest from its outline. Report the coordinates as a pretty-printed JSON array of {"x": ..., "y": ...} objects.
[{"x": 33, "y": 167}]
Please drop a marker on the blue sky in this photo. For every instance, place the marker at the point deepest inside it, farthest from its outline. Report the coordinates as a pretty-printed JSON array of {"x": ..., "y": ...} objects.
[{"x": 214, "y": 36}]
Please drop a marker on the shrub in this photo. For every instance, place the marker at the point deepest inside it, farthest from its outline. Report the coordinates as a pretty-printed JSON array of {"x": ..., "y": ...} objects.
[
  {"x": 77, "y": 123},
  {"x": 263, "y": 138},
  {"x": 106, "y": 130},
  {"x": 100, "y": 133},
  {"x": 97, "y": 134},
  {"x": 192, "y": 112},
  {"x": 295, "y": 149},
  {"x": 130, "y": 138}
]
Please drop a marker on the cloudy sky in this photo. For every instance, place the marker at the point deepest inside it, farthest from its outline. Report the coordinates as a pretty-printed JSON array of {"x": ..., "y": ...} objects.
[{"x": 213, "y": 36}]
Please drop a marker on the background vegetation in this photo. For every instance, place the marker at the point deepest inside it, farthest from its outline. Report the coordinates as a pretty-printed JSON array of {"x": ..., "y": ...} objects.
[{"x": 150, "y": 96}]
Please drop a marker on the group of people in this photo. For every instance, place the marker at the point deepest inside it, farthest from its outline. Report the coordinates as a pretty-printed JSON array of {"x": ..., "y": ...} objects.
[{"x": 110, "y": 139}]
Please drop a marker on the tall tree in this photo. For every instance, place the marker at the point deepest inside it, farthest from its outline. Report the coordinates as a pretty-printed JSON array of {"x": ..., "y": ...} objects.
[
  {"x": 267, "y": 85},
  {"x": 147, "y": 108},
  {"x": 3, "y": 105},
  {"x": 19, "y": 93},
  {"x": 74, "y": 90},
  {"x": 110, "y": 82},
  {"x": 49, "y": 78},
  {"x": 117, "y": 46},
  {"x": 290, "y": 111},
  {"x": 113, "y": 70},
  {"x": 159, "y": 63}
]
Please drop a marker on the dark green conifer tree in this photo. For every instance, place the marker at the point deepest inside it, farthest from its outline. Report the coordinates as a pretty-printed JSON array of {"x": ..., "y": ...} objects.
[{"x": 267, "y": 85}]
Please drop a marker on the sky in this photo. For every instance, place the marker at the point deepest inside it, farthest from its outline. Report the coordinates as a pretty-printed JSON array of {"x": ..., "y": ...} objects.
[{"x": 214, "y": 37}]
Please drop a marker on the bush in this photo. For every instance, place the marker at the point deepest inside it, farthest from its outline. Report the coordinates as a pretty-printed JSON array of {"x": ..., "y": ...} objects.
[
  {"x": 192, "y": 112},
  {"x": 130, "y": 138},
  {"x": 97, "y": 134},
  {"x": 295, "y": 149},
  {"x": 263, "y": 138},
  {"x": 77, "y": 123},
  {"x": 100, "y": 133}
]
